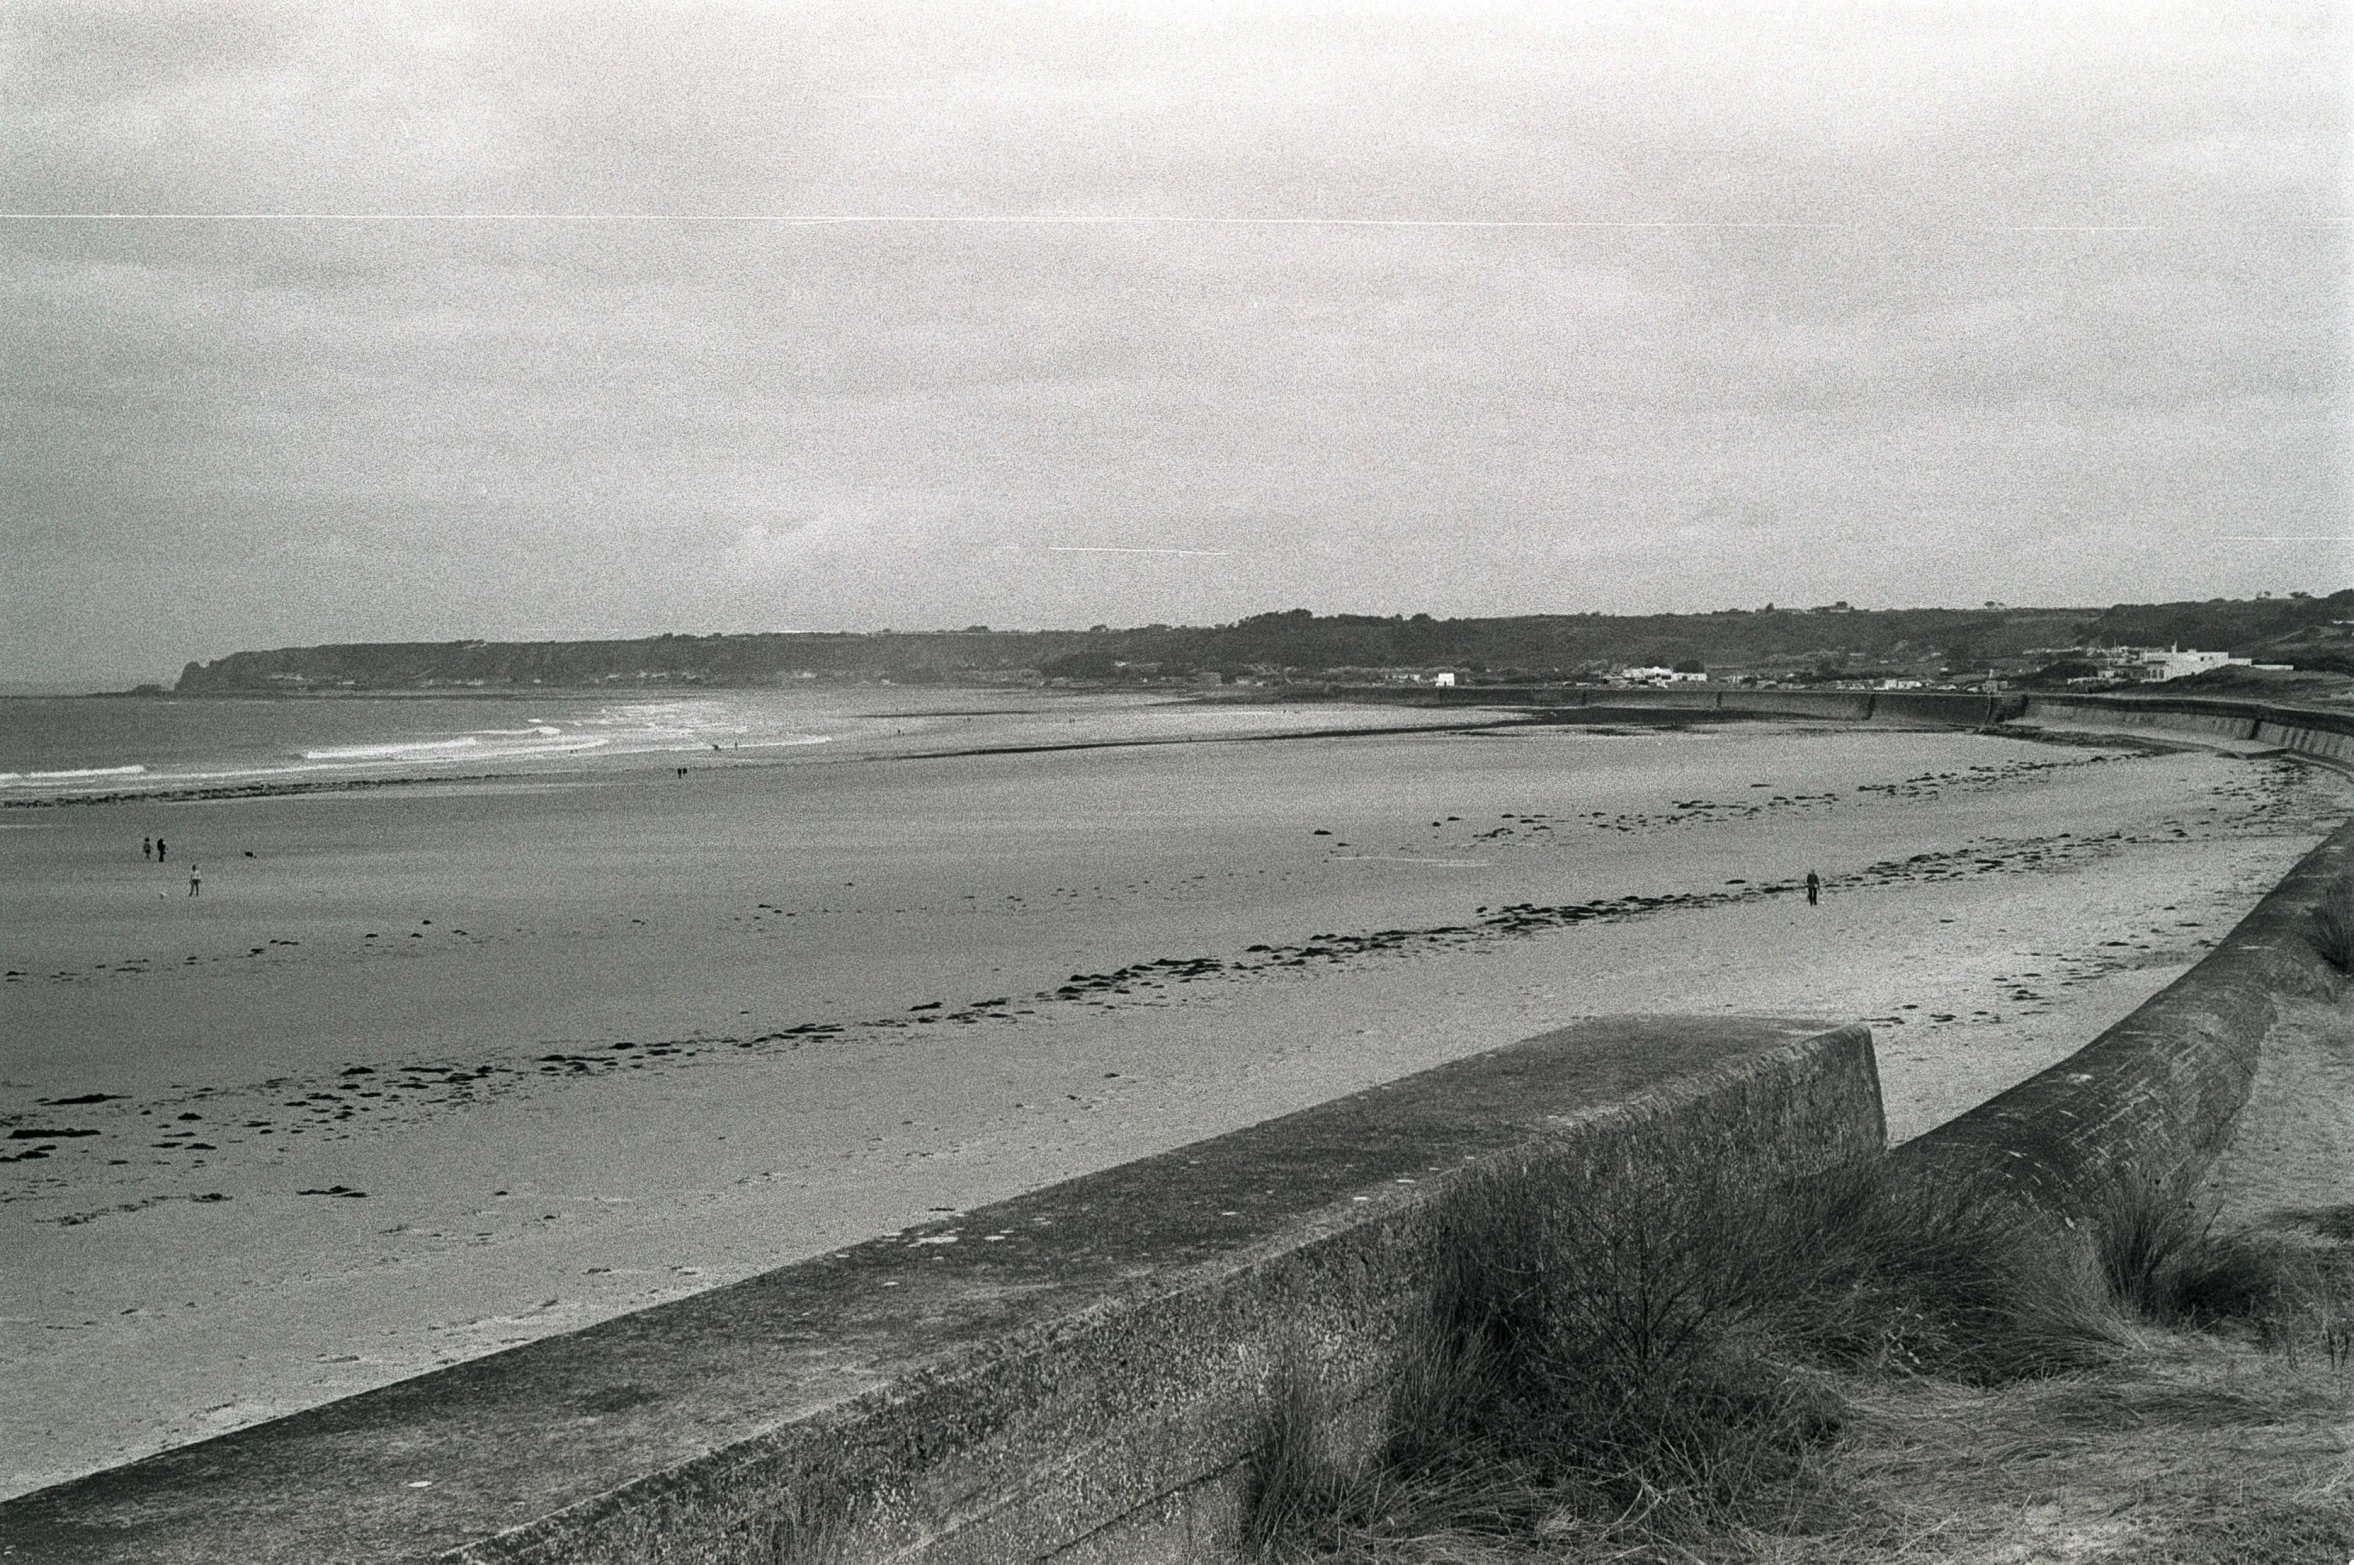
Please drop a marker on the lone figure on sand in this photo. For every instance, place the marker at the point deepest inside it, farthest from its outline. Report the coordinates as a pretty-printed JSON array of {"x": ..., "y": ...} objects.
[
  {"x": 195, "y": 882},
  {"x": 1814, "y": 888},
  {"x": 159, "y": 850}
]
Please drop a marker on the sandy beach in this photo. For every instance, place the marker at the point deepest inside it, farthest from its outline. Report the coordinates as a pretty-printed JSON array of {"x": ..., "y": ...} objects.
[{"x": 428, "y": 1072}]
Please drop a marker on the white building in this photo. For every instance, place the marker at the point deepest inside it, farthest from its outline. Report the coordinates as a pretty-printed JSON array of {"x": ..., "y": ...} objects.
[{"x": 2151, "y": 666}]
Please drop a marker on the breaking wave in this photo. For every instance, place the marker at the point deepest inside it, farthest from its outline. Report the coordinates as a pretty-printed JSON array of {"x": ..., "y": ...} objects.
[{"x": 81, "y": 774}]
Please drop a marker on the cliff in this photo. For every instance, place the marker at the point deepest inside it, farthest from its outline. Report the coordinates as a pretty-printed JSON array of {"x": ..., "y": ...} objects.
[{"x": 1534, "y": 647}]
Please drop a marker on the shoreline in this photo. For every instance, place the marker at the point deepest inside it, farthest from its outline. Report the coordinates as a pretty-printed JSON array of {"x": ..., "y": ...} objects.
[
  {"x": 232, "y": 791},
  {"x": 1509, "y": 706}
]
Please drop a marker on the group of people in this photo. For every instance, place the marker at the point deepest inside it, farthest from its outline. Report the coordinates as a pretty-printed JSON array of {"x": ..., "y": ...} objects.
[{"x": 155, "y": 848}]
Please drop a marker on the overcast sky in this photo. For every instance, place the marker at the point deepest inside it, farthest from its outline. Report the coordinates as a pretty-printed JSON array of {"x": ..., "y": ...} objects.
[{"x": 418, "y": 321}]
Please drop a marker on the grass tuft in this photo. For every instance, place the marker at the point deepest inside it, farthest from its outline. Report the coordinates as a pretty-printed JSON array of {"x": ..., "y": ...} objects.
[
  {"x": 1294, "y": 1483},
  {"x": 2142, "y": 1233},
  {"x": 1637, "y": 1367},
  {"x": 2164, "y": 1263},
  {"x": 2331, "y": 925},
  {"x": 1659, "y": 1365},
  {"x": 1870, "y": 1269}
]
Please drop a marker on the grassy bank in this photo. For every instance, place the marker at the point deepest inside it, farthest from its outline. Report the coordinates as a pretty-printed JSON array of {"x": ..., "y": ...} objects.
[{"x": 1852, "y": 1367}]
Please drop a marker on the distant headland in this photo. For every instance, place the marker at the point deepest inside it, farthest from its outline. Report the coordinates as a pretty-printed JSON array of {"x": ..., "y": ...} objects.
[{"x": 1831, "y": 644}]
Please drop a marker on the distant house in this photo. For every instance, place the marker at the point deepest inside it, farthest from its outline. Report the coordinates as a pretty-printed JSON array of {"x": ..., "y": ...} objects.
[
  {"x": 1443, "y": 677},
  {"x": 2151, "y": 666}
]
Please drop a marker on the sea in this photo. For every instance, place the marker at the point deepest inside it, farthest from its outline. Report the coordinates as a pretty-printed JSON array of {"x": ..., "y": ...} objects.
[{"x": 81, "y": 747}]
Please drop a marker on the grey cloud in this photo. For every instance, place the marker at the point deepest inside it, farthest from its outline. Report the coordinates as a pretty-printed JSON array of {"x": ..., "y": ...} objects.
[{"x": 317, "y": 428}]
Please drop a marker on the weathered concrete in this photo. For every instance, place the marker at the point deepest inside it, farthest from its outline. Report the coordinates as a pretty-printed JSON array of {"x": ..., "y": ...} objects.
[
  {"x": 1943, "y": 708},
  {"x": 2154, "y": 1098},
  {"x": 1952, "y": 708},
  {"x": 1081, "y": 1373},
  {"x": 2327, "y": 736},
  {"x": 2192, "y": 718},
  {"x": 1940, "y": 708},
  {"x": 2324, "y": 735}
]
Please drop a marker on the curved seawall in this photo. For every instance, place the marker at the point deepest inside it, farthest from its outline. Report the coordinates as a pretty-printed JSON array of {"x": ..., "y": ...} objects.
[
  {"x": 2323, "y": 735},
  {"x": 2155, "y": 1097},
  {"x": 2326, "y": 736},
  {"x": 1942, "y": 708}
]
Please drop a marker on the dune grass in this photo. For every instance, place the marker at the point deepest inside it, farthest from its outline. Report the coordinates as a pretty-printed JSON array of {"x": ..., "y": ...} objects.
[
  {"x": 2331, "y": 925},
  {"x": 1665, "y": 1366},
  {"x": 2164, "y": 1263}
]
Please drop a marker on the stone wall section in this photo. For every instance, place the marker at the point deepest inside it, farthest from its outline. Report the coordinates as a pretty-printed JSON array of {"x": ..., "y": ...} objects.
[
  {"x": 1081, "y": 1373},
  {"x": 2156, "y": 1097}
]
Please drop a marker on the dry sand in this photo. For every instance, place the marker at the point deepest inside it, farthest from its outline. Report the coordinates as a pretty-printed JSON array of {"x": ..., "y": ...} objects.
[{"x": 438, "y": 1071}]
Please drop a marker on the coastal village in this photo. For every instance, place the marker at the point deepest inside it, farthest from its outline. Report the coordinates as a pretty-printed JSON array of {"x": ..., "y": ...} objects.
[{"x": 2112, "y": 668}]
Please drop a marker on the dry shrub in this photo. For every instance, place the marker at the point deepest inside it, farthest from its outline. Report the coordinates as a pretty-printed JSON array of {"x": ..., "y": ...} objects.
[
  {"x": 1873, "y": 1268},
  {"x": 2164, "y": 1262},
  {"x": 2331, "y": 924},
  {"x": 1639, "y": 1363},
  {"x": 2142, "y": 1231}
]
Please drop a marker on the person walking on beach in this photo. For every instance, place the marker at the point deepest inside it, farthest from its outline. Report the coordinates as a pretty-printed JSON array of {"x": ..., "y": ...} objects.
[
  {"x": 147, "y": 847},
  {"x": 1814, "y": 888},
  {"x": 195, "y": 881},
  {"x": 159, "y": 850}
]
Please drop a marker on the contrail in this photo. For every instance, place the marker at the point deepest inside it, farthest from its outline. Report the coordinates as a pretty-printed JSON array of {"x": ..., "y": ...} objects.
[
  {"x": 834, "y": 219},
  {"x": 826, "y": 219},
  {"x": 1105, "y": 548}
]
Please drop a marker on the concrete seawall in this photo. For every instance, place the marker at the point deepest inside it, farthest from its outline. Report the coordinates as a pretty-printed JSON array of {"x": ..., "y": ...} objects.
[
  {"x": 1083, "y": 1373},
  {"x": 2155, "y": 1097},
  {"x": 2217, "y": 719},
  {"x": 2325, "y": 735}
]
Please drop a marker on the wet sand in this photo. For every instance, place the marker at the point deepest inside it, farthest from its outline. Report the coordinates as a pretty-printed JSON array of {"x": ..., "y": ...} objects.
[{"x": 445, "y": 1068}]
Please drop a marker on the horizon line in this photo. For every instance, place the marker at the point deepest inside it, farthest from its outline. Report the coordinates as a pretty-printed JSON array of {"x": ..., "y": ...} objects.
[{"x": 1110, "y": 220}]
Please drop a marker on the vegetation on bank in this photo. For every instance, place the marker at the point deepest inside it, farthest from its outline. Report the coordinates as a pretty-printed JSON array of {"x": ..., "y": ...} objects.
[
  {"x": 2332, "y": 927},
  {"x": 1853, "y": 1367},
  {"x": 1799, "y": 645}
]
